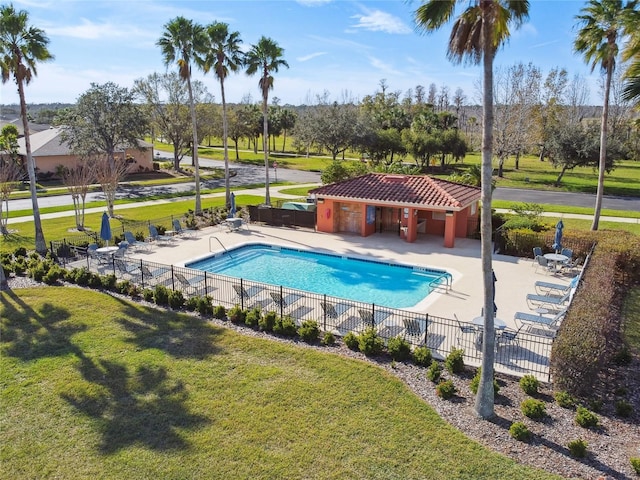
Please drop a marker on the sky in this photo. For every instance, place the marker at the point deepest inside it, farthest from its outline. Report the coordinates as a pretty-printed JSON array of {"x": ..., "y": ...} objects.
[{"x": 339, "y": 47}]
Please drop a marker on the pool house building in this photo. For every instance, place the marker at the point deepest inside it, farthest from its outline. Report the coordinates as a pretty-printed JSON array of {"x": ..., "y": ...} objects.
[{"x": 410, "y": 205}]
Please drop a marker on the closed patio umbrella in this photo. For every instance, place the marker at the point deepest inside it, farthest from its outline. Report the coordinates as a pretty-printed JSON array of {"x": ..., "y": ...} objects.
[
  {"x": 105, "y": 228},
  {"x": 557, "y": 241},
  {"x": 232, "y": 210}
]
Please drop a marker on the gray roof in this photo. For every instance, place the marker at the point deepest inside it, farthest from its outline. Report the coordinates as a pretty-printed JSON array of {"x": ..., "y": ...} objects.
[{"x": 49, "y": 143}]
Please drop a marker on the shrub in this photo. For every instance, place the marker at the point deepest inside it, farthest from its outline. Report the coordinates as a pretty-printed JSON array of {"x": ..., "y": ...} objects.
[
  {"x": 446, "y": 389},
  {"x": 595, "y": 404},
  {"x": 19, "y": 266},
  {"x": 204, "y": 307},
  {"x": 519, "y": 431},
  {"x": 533, "y": 408},
  {"x": 237, "y": 314},
  {"x": 434, "y": 371},
  {"x": 123, "y": 287},
  {"x": 475, "y": 383},
  {"x": 623, "y": 408},
  {"x": 623, "y": 356},
  {"x": 399, "y": 349},
  {"x": 422, "y": 356},
  {"x": 454, "y": 363},
  {"x": 351, "y": 340},
  {"x": 370, "y": 343},
  {"x": 564, "y": 399},
  {"x": 253, "y": 317},
  {"x": 635, "y": 463},
  {"x": 309, "y": 331},
  {"x": 578, "y": 448},
  {"x": 586, "y": 418},
  {"x": 161, "y": 295},
  {"x": 285, "y": 326},
  {"x": 94, "y": 281},
  {"x": 529, "y": 384},
  {"x": 147, "y": 294},
  {"x": 328, "y": 339},
  {"x": 220, "y": 312},
  {"x": 52, "y": 275},
  {"x": 37, "y": 272},
  {"x": 20, "y": 252},
  {"x": 268, "y": 321},
  {"x": 82, "y": 276},
  {"x": 109, "y": 282},
  {"x": 192, "y": 303},
  {"x": 176, "y": 299}
]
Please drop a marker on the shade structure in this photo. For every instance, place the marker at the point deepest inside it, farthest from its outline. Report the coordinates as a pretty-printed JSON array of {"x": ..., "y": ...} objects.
[
  {"x": 557, "y": 240},
  {"x": 232, "y": 210},
  {"x": 105, "y": 228}
]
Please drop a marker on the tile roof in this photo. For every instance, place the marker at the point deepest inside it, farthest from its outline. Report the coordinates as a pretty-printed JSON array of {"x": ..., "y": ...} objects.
[{"x": 402, "y": 190}]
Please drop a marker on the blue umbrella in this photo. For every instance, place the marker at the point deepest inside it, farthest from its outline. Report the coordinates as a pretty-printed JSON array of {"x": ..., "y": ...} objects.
[
  {"x": 232, "y": 210},
  {"x": 557, "y": 241},
  {"x": 105, "y": 228}
]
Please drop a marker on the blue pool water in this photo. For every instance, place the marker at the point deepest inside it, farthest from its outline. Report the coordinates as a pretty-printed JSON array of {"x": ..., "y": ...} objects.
[{"x": 391, "y": 285}]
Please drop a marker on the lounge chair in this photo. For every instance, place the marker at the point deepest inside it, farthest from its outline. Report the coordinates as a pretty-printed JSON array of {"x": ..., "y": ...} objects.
[
  {"x": 541, "y": 320},
  {"x": 127, "y": 269},
  {"x": 183, "y": 232},
  {"x": 285, "y": 302},
  {"x": 372, "y": 319},
  {"x": 246, "y": 296},
  {"x": 136, "y": 244},
  {"x": 152, "y": 275},
  {"x": 466, "y": 330},
  {"x": 546, "y": 288},
  {"x": 413, "y": 330},
  {"x": 192, "y": 284},
  {"x": 542, "y": 301},
  {"x": 335, "y": 310},
  {"x": 156, "y": 237}
]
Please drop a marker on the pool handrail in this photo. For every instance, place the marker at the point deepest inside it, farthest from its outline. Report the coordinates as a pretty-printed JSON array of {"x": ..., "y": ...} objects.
[{"x": 223, "y": 247}]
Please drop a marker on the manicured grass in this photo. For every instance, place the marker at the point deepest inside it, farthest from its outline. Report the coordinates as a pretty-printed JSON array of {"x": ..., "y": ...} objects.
[
  {"x": 59, "y": 228},
  {"x": 101, "y": 388},
  {"x": 570, "y": 209}
]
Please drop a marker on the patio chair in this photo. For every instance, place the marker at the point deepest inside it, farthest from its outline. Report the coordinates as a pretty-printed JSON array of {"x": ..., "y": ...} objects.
[
  {"x": 413, "y": 331},
  {"x": 567, "y": 252},
  {"x": 537, "y": 253},
  {"x": 544, "y": 263},
  {"x": 466, "y": 330},
  {"x": 136, "y": 244},
  {"x": 93, "y": 254},
  {"x": 507, "y": 337},
  {"x": 183, "y": 232},
  {"x": 537, "y": 301},
  {"x": 156, "y": 237}
]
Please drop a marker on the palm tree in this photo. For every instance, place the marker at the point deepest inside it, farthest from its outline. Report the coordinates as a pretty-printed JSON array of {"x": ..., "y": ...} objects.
[
  {"x": 21, "y": 47},
  {"x": 265, "y": 57},
  {"x": 182, "y": 42},
  {"x": 602, "y": 24},
  {"x": 476, "y": 35},
  {"x": 223, "y": 55}
]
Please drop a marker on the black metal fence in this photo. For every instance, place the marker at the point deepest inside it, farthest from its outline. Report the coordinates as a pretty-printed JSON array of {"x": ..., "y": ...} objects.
[{"x": 526, "y": 353}]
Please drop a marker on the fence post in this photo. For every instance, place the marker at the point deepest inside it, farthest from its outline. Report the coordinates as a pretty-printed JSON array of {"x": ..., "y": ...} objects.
[
  {"x": 206, "y": 288},
  {"x": 141, "y": 274},
  {"x": 324, "y": 313},
  {"x": 373, "y": 315},
  {"x": 173, "y": 283},
  {"x": 241, "y": 294},
  {"x": 426, "y": 328},
  {"x": 281, "y": 303}
]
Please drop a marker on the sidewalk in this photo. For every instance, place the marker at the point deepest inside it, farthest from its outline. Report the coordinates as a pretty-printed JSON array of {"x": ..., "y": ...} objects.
[
  {"x": 274, "y": 191},
  {"x": 579, "y": 216}
]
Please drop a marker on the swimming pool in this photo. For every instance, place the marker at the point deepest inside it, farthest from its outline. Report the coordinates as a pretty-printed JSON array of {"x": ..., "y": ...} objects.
[{"x": 388, "y": 284}]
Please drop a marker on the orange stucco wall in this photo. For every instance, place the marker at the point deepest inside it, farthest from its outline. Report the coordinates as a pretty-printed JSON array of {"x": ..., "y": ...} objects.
[{"x": 325, "y": 216}]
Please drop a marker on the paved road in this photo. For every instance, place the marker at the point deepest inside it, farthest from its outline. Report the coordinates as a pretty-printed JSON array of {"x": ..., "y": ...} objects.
[{"x": 249, "y": 174}]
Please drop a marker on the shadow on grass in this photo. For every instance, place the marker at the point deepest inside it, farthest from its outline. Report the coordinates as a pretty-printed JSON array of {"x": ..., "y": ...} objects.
[
  {"x": 29, "y": 334},
  {"x": 179, "y": 335},
  {"x": 142, "y": 407}
]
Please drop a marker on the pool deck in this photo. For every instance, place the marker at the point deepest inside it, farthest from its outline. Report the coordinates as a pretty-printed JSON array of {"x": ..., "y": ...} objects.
[{"x": 515, "y": 276}]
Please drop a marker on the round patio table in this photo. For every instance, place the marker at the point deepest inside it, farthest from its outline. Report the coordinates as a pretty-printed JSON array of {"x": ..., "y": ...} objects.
[{"x": 556, "y": 258}]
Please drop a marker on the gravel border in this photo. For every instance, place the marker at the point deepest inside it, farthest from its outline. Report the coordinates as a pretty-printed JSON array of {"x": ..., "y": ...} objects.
[{"x": 610, "y": 446}]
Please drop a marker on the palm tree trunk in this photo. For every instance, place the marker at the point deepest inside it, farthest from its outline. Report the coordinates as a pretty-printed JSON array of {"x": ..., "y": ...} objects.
[
  {"x": 41, "y": 246},
  {"x": 196, "y": 165},
  {"x": 265, "y": 147},
  {"x": 602, "y": 164},
  {"x": 4, "y": 284},
  {"x": 225, "y": 146},
  {"x": 485, "y": 398}
]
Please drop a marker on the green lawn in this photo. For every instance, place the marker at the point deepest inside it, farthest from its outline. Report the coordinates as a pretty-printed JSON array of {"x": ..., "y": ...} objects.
[{"x": 101, "y": 388}]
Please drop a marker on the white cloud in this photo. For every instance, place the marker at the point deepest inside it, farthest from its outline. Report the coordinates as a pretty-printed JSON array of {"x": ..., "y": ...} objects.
[
  {"x": 313, "y": 3},
  {"x": 310, "y": 56},
  {"x": 384, "y": 67},
  {"x": 379, "y": 21},
  {"x": 89, "y": 30}
]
